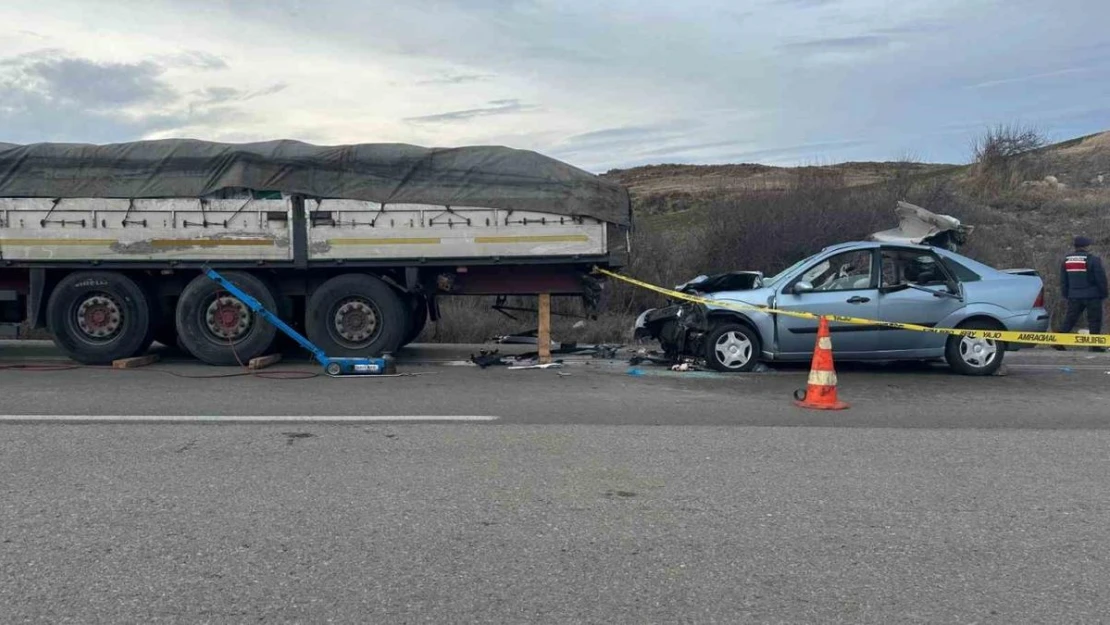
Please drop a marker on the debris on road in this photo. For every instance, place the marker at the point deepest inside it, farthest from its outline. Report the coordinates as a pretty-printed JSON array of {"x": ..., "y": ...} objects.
[
  {"x": 602, "y": 351},
  {"x": 644, "y": 356},
  {"x": 550, "y": 365},
  {"x": 486, "y": 358}
]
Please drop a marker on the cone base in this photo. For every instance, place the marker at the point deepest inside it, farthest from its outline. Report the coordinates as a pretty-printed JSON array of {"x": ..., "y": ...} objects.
[{"x": 837, "y": 405}]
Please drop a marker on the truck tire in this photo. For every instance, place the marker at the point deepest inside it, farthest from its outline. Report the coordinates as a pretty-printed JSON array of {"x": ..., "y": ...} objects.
[
  {"x": 417, "y": 319},
  {"x": 356, "y": 314},
  {"x": 99, "y": 316},
  {"x": 216, "y": 327}
]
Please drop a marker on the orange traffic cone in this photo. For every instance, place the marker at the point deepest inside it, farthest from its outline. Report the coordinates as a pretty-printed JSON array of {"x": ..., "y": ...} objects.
[{"x": 820, "y": 393}]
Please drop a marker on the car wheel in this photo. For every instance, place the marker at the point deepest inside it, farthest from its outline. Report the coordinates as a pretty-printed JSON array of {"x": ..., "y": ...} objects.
[
  {"x": 974, "y": 356},
  {"x": 732, "y": 347}
]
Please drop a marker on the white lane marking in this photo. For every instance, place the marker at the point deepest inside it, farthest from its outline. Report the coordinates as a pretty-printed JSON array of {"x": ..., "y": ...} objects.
[{"x": 238, "y": 419}]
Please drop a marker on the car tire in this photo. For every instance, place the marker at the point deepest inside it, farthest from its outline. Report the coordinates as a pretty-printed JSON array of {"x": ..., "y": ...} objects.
[
  {"x": 96, "y": 317},
  {"x": 377, "y": 317},
  {"x": 974, "y": 356},
  {"x": 732, "y": 348},
  {"x": 199, "y": 313}
]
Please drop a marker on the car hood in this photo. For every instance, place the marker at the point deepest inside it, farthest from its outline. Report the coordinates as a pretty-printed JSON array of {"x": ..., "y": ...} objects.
[
  {"x": 730, "y": 281},
  {"x": 755, "y": 297}
]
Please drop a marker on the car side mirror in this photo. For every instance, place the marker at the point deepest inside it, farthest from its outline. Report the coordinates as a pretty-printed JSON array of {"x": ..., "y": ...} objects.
[{"x": 802, "y": 287}]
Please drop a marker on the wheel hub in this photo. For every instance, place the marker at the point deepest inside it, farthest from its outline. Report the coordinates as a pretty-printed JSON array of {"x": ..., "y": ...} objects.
[
  {"x": 733, "y": 350},
  {"x": 355, "y": 321},
  {"x": 99, "y": 317},
  {"x": 228, "y": 318},
  {"x": 978, "y": 352}
]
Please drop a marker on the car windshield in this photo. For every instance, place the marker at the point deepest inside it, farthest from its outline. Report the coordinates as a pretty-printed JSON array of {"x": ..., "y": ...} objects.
[{"x": 780, "y": 275}]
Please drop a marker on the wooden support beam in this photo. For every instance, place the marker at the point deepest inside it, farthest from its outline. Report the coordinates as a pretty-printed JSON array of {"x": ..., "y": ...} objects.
[
  {"x": 543, "y": 336},
  {"x": 137, "y": 361},
  {"x": 263, "y": 361}
]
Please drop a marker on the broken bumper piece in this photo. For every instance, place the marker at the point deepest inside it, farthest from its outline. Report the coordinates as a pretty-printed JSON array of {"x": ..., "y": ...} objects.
[{"x": 672, "y": 325}]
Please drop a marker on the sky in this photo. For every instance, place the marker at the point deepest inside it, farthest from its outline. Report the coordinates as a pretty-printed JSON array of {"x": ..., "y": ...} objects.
[{"x": 600, "y": 84}]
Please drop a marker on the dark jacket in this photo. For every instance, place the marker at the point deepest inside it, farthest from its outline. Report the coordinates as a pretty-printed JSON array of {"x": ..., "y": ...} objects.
[{"x": 1082, "y": 276}]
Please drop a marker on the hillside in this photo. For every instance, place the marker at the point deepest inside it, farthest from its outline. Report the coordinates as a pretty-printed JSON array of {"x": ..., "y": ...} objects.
[
  {"x": 650, "y": 182},
  {"x": 656, "y": 190}
]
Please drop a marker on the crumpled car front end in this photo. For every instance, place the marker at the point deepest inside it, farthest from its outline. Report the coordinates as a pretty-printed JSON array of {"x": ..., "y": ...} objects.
[
  {"x": 675, "y": 326},
  {"x": 680, "y": 325}
]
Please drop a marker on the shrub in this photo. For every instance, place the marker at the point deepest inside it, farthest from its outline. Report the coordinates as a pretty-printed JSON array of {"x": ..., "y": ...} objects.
[{"x": 1004, "y": 158}]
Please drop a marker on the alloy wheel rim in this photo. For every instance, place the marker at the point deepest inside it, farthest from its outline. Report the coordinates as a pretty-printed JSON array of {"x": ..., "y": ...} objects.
[{"x": 733, "y": 350}]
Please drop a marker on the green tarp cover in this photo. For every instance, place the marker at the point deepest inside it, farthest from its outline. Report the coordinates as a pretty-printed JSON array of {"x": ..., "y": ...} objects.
[{"x": 480, "y": 176}]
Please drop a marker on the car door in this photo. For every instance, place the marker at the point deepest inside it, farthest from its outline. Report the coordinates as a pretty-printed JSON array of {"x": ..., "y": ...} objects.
[
  {"x": 902, "y": 269},
  {"x": 845, "y": 283}
]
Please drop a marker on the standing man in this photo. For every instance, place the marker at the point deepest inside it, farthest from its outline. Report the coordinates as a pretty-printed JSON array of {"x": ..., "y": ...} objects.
[{"x": 1083, "y": 284}]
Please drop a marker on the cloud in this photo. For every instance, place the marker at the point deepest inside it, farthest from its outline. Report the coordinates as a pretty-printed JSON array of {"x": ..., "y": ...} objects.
[
  {"x": 609, "y": 135},
  {"x": 196, "y": 59},
  {"x": 220, "y": 94},
  {"x": 497, "y": 107},
  {"x": 216, "y": 95},
  {"x": 455, "y": 79},
  {"x": 49, "y": 96},
  {"x": 808, "y": 4},
  {"x": 271, "y": 90},
  {"x": 858, "y": 42},
  {"x": 85, "y": 83},
  {"x": 1028, "y": 78}
]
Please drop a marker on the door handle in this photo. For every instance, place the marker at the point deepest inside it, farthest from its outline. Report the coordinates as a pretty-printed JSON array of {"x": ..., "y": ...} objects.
[{"x": 859, "y": 300}]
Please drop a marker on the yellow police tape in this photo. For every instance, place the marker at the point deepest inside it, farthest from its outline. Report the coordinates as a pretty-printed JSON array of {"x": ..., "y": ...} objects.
[{"x": 1034, "y": 338}]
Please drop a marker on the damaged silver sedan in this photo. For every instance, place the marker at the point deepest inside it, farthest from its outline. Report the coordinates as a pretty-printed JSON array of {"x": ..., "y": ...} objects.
[{"x": 926, "y": 285}]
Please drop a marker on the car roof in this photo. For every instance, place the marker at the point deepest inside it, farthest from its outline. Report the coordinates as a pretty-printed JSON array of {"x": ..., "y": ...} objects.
[{"x": 873, "y": 244}]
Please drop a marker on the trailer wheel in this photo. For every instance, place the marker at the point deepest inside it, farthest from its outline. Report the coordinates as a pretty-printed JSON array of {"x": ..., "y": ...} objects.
[
  {"x": 216, "y": 327},
  {"x": 417, "y": 319},
  {"x": 99, "y": 316},
  {"x": 356, "y": 314}
]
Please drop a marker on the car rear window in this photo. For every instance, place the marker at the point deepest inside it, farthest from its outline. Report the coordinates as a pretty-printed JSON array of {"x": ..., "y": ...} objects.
[{"x": 963, "y": 274}]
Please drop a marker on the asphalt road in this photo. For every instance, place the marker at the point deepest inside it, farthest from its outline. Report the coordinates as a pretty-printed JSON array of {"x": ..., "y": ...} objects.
[
  {"x": 597, "y": 496},
  {"x": 1042, "y": 390}
]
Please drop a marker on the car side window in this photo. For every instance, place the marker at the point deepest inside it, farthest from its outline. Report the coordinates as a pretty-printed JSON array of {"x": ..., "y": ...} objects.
[
  {"x": 847, "y": 271},
  {"x": 911, "y": 267}
]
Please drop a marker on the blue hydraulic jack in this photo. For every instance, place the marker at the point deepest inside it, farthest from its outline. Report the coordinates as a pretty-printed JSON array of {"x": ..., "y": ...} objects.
[{"x": 332, "y": 366}]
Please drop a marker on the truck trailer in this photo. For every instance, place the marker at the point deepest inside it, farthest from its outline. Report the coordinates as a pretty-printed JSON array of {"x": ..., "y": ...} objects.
[{"x": 105, "y": 246}]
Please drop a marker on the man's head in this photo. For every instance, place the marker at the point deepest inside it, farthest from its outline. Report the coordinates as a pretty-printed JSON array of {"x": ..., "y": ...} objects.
[{"x": 1082, "y": 242}]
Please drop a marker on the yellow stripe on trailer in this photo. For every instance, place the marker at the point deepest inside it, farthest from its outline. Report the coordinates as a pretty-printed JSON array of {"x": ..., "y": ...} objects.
[{"x": 1033, "y": 338}]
